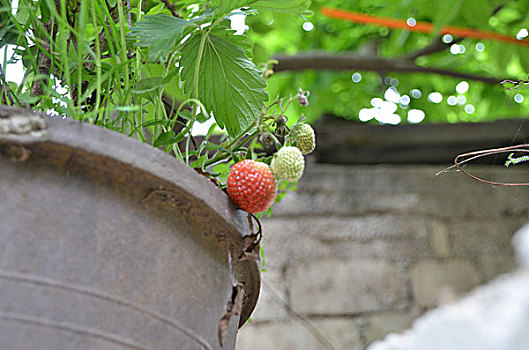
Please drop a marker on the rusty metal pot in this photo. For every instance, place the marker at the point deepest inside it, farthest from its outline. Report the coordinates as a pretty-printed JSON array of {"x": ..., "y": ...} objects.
[{"x": 107, "y": 243}]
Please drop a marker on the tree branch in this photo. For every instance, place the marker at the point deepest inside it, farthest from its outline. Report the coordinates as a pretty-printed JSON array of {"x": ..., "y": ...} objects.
[
  {"x": 333, "y": 61},
  {"x": 434, "y": 47},
  {"x": 171, "y": 8}
]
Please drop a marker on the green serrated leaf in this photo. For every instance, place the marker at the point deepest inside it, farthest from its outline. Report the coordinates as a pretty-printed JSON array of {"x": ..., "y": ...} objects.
[
  {"x": 224, "y": 31},
  {"x": 160, "y": 32},
  {"x": 229, "y": 84}
]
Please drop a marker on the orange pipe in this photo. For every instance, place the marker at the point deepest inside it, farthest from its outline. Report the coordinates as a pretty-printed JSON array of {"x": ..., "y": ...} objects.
[{"x": 421, "y": 27}]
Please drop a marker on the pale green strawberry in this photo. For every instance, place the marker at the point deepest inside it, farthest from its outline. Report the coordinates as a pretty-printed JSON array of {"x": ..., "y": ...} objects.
[
  {"x": 288, "y": 163},
  {"x": 305, "y": 139}
]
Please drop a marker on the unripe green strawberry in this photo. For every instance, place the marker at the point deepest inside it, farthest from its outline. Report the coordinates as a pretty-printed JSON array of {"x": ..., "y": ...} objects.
[
  {"x": 288, "y": 163},
  {"x": 252, "y": 186},
  {"x": 305, "y": 139}
]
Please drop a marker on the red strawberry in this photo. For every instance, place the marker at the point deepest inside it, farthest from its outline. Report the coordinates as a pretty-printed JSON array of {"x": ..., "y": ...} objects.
[{"x": 252, "y": 186}]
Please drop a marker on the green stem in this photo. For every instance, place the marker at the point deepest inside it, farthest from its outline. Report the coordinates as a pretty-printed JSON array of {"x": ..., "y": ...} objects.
[
  {"x": 246, "y": 139},
  {"x": 80, "y": 23},
  {"x": 139, "y": 117},
  {"x": 511, "y": 160},
  {"x": 189, "y": 128},
  {"x": 199, "y": 57},
  {"x": 197, "y": 68},
  {"x": 64, "y": 49},
  {"x": 231, "y": 145},
  {"x": 124, "y": 58},
  {"x": 97, "y": 60}
]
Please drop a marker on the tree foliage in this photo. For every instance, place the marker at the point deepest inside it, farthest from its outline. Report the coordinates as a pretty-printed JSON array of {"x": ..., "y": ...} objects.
[{"x": 333, "y": 91}]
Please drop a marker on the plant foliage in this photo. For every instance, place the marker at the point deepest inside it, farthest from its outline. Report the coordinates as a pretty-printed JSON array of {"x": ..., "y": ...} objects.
[
  {"x": 160, "y": 32},
  {"x": 230, "y": 85},
  {"x": 150, "y": 70}
]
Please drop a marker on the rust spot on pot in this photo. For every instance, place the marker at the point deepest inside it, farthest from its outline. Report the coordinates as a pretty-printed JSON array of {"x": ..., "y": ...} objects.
[
  {"x": 165, "y": 195},
  {"x": 17, "y": 153}
]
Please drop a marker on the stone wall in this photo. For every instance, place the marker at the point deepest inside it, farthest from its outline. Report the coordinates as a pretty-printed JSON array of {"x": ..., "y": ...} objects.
[
  {"x": 492, "y": 316},
  {"x": 361, "y": 251}
]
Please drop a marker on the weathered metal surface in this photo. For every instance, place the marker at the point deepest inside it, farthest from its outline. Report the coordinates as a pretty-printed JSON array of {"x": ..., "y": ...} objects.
[{"x": 106, "y": 243}]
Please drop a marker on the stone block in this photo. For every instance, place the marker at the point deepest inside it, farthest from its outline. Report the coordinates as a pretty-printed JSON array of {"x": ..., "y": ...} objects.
[
  {"x": 434, "y": 281},
  {"x": 344, "y": 190},
  {"x": 485, "y": 236},
  {"x": 335, "y": 228},
  {"x": 439, "y": 239},
  {"x": 491, "y": 266},
  {"x": 341, "y": 333},
  {"x": 334, "y": 287},
  {"x": 328, "y": 189},
  {"x": 272, "y": 299},
  {"x": 377, "y": 326},
  {"x": 291, "y": 241}
]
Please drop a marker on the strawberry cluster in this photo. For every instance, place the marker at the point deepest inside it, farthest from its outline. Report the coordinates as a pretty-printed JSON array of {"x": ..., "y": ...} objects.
[{"x": 252, "y": 185}]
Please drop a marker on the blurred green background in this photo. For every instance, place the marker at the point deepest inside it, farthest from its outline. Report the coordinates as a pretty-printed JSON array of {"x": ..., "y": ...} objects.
[{"x": 356, "y": 93}]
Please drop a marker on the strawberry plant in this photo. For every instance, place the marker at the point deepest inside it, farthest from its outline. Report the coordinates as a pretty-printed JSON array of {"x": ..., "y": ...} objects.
[{"x": 153, "y": 71}]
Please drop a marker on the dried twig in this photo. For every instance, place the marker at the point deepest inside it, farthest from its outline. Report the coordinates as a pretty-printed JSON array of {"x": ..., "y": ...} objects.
[
  {"x": 516, "y": 83},
  {"x": 436, "y": 46},
  {"x": 347, "y": 61},
  {"x": 171, "y": 8},
  {"x": 251, "y": 242},
  {"x": 460, "y": 160}
]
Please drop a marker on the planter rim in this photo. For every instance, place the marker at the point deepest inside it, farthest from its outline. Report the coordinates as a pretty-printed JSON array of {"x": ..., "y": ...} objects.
[{"x": 24, "y": 127}]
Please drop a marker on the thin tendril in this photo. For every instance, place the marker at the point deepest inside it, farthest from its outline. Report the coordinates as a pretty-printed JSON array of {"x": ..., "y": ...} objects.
[{"x": 459, "y": 161}]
